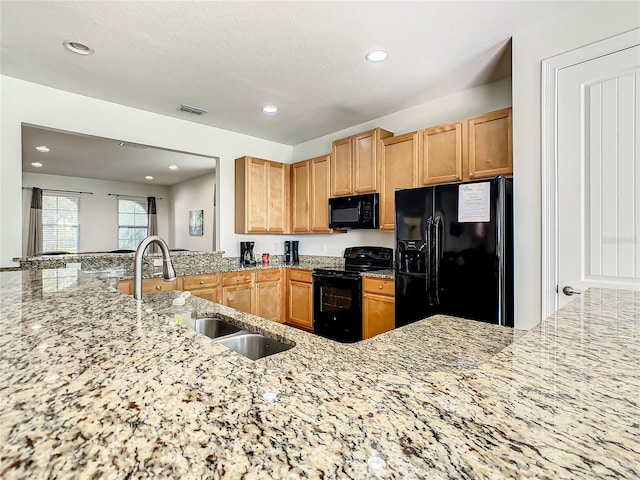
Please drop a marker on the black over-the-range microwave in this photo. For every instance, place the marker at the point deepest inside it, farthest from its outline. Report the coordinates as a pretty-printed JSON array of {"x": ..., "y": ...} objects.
[{"x": 356, "y": 211}]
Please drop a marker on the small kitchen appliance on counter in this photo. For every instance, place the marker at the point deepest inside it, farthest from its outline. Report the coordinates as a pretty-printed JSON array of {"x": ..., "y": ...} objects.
[
  {"x": 291, "y": 252},
  {"x": 337, "y": 293},
  {"x": 246, "y": 253}
]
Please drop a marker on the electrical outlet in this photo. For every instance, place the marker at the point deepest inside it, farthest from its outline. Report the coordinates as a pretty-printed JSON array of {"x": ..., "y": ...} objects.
[{"x": 157, "y": 262}]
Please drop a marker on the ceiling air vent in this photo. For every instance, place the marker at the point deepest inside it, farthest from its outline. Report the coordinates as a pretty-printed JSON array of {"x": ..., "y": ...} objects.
[{"x": 189, "y": 109}]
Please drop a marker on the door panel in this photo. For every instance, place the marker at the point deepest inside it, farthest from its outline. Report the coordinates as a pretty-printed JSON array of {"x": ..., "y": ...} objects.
[{"x": 599, "y": 173}]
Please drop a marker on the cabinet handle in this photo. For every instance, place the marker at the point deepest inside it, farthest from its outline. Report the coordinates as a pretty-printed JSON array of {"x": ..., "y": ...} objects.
[
  {"x": 471, "y": 175},
  {"x": 237, "y": 279},
  {"x": 269, "y": 276},
  {"x": 458, "y": 177},
  {"x": 201, "y": 282},
  {"x": 158, "y": 287},
  {"x": 380, "y": 287}
]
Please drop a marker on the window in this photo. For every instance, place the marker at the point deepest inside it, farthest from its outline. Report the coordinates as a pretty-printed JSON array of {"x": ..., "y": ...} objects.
[
  {"x": 132, "y": 222},
  {"x": 60, "y": 222}
]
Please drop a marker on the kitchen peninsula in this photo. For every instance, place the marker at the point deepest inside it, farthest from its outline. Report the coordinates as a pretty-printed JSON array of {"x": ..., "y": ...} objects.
[{"x": 96, "y": 385}]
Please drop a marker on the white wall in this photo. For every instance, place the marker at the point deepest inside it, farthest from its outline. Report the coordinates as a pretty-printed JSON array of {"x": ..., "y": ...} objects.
[
  {"x": 48, "y": 107},
  {"x": 194, "y": 194},
  {"x": 593, "y": 22},
  {"x": 453, "y": 107},
  {"x": 98, "y": 212}
]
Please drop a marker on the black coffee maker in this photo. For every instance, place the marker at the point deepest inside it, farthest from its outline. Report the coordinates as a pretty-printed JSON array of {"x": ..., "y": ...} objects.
[
  {"x": 246, "y": 253},
  {"x": 291, "y": 252}
]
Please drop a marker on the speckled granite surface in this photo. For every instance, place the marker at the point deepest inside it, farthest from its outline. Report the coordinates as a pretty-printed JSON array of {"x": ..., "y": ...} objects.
[
  {"x": 94, "y": 386},
  {"x": 120, "y": 265}
]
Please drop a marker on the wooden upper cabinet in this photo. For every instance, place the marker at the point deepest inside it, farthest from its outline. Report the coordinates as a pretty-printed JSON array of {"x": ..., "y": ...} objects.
[
  {"x": 354, "y": 163},
  {"x": 490, "y": 144},
  {"x": 310, "y": 195},
  {"x": 398, "y": 169},
  {"x": 261, "y": 193},
  {"x": 319, "y": 168},
  {"x": 341, "y": 183},
  {"x": 441, "y": 154},
  {"x": 300, "y": 199},
  {"x": 278, "y": 180}
]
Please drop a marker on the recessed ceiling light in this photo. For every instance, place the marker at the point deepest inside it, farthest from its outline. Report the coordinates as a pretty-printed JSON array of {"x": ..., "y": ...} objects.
[
  {"x": 148, "y": 177},
  {"x": 377, "y": 56},
  {"x": 270, "y": 109},
  {"x": 43, "y": 149},
  {"x": 173, "y": 167},
  {"x": 79, "y": 48},
  {"x": 36, "y": 164}
]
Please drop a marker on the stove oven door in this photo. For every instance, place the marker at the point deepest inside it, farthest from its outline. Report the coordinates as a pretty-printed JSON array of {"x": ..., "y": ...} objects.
[{"x": 337, "y": 307}]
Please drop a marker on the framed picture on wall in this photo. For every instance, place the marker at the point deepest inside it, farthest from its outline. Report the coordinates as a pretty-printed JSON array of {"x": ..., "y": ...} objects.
[{"x": 195, "y": 222}]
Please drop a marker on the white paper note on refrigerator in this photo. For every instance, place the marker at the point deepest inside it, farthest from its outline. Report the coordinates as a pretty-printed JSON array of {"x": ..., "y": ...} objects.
[{"x": 474, "y": 202}]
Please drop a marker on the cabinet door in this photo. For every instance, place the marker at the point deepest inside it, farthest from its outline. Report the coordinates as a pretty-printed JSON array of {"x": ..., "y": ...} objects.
[
  {"x": 269, "y": 301},
  {"x": 211, "y": 294},
  {"x": 398, "y": 169},
  {"x": 320, "y": 188},
  {"x": 490, "y": 145},
  {"x": 256, "y": 194},
  {"x": 365, "y": 160},
  {"x": 341, "y": 182},
  {"x": 300, "y": 304},
  {"x": 277, "y": 197},
  {"x": 441, "y": 154},
  {"x": 365, "y": 164},
  {"x": 378, "y": 313},
  {"x": 239, "y": 297},
  {"x": 300, "y": 197}
]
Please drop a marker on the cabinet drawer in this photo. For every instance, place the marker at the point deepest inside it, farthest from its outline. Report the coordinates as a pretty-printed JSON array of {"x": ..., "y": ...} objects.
[
  {"x": 236, "y": 278},
  {"x": 191, "y": 282},
  {"x": 268, "y": 275},
  {"x": 381, "y": 286},
  {"x": 300, "y": 275},
  {"x": 151, "y": 285}
]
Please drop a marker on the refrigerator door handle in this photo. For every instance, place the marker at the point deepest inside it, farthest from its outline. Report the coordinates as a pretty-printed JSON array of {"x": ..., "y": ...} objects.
[
  {"x": 428, "y": 258},
  {"x": 436, "y": 261},
  {"x": 500, "y": 250}
]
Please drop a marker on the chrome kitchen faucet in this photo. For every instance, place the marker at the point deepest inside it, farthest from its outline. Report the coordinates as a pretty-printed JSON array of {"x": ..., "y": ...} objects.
[{"x": 168, "y": 272}]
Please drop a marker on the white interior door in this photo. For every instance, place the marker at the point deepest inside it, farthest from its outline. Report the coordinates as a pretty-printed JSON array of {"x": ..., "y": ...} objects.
[{"x": 598, "y": 174}]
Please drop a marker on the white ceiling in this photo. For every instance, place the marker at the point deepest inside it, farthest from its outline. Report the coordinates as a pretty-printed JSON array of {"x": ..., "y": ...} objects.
[
  {"x": 85, "y": 156},
  {"x": 231, "y": 58}
]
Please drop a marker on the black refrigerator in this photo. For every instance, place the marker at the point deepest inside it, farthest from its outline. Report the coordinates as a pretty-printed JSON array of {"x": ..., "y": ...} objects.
[{"x": 454, "y": 251}]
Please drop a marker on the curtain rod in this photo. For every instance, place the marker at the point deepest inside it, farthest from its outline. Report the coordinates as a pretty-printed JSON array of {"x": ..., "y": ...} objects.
[
  {"x": 54, "y": 190},
  {"x": 134, "y": 196}
]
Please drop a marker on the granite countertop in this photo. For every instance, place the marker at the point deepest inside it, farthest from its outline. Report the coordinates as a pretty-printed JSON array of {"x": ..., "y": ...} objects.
[{"x": 97, "y": 385}]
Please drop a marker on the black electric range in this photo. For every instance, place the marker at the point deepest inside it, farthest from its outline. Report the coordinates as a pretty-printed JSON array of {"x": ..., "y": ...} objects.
[{"x": 337, "y": 293}]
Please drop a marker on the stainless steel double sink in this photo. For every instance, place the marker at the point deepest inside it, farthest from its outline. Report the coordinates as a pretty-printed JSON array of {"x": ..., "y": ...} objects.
[{"x": 251, "y": 345}]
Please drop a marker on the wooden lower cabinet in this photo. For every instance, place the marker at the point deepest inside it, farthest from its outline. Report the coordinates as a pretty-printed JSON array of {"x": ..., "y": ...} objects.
[
  {"x": 149, "y": 285},
  {"x": 259, "y": 292},
  {"x": 237, "y": 290},
  {"x": 378, "y": 306},
  {"x": 153, "y": 285},
  {"x": 300, "y": 296},
  {"x": 126, "y": 287},
  {"x": 269, "y": 295},
  {"x": 205, "y": 286}
]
